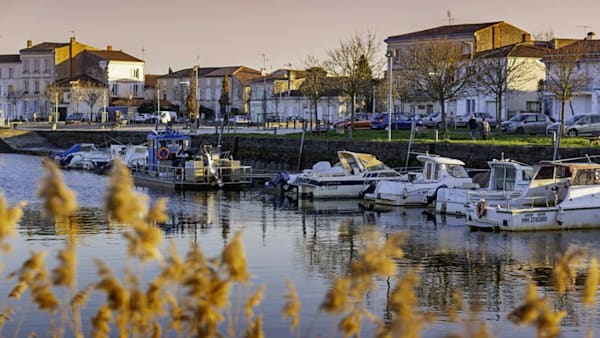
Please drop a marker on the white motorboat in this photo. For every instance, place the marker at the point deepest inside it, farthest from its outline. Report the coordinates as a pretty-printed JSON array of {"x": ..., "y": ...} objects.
[
  {"x": 437, "y": 172},
  {"x": 88, "y": 158},
  {"x": 346, "y": 179},
  {"x": 508, "y": 179},
  {"x": 561, "y": 196}
]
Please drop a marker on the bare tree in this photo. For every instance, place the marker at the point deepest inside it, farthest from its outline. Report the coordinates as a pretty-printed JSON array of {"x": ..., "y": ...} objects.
[
  {"x": 437, "y": 69},
  {"x": 14, "y": 95},
  {"x": 566, "y": 75},
  {"x": 90, "y": 93},
  {"x": 544, "y": 35},
  {"x": 224, "y": 101},
  {"x": 314, "y": 85},
  {"x": 497, "y": 72},
  {"x": 192, "y": 103},
  {"x": 347, "y": 63},
  {"x": 53, "y": 95}
]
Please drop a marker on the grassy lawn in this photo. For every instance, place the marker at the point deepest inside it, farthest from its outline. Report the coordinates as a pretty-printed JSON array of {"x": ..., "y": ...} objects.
[{"x": 458, "y": 135}]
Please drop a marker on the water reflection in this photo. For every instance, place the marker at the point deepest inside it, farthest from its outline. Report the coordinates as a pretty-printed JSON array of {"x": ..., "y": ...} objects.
[{"x": 313, "y": 242}]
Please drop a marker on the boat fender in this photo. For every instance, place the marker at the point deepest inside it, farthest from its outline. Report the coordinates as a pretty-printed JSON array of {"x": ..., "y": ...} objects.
[
  {"x": 481, "y": 208},
  {"x": 162, "y": 153},
  {"x": 559, "y": 216},
  {"x": 432, "y": 198}
]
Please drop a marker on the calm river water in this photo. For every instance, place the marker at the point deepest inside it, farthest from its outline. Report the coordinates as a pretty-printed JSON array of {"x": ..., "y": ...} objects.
[{"x": 310, "y": 243}]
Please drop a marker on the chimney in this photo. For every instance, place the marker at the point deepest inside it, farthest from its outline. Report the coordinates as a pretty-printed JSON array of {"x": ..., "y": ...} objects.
[
  {"x": 590, "y": 36},
  {"x": 526, "y": 37},
  {"x": 29, "y": 43},
  {"x": 109, "y": 48}
]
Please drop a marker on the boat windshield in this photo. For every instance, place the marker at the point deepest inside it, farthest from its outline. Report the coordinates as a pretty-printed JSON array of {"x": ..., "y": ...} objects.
[{"x": 457, "y": 171}]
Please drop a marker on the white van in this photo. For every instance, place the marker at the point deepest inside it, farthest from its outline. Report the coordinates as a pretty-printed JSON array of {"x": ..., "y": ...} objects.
[{"x": 166, "y": 116}]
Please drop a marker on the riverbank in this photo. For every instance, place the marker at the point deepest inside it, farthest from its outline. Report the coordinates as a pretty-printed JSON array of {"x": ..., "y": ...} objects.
[{"x": 263, "y": 149}]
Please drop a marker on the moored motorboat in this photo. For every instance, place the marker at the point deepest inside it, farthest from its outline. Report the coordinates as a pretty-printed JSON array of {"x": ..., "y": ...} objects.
[
  {"x": 562, "y": 195},
  {"x": 346, "y": 179},
  {"x": 508, "y": 179},
  {"x": 437, "y": 172}
]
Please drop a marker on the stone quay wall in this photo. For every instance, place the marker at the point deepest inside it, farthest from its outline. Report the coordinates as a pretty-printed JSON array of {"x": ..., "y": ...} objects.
[{"x": 264, "y": 152}]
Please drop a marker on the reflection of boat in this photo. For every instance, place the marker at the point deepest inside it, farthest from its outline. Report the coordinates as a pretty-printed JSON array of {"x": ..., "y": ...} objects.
[
  {"x": 437, "y": 172},
  {"x": 172, "y": 164},
  {"x": 563, "y": 195},
  {"x": 346, "y": 179},
  {"x": 507, "y": 179},
  {"x": 343, "y": 206}
]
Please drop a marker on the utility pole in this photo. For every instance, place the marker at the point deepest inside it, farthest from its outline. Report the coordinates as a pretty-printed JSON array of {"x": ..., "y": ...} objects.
[{"x": 264, "y": 74}]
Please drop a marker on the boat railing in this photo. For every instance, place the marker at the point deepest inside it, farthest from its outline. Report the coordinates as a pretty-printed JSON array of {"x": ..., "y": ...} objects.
[
  {"x": 202, "y": 174},
  {"x": 508, "y": 200}
]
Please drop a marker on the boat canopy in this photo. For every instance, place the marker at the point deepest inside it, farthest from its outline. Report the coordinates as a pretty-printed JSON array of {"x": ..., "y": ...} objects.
[
  {"x": 360, "y": 161},
  {"x": 440, "y": 159}
]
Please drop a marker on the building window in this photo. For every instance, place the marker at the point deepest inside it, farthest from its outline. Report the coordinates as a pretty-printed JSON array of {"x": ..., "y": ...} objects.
[
  {"x": 470, "y": 106},
  {"x": 46, "y": 66},
  {"x": 10, "y": 73},
  {"x": 26, "y": 86},
  {"x": 114, "y": 90},
  {"x": 135, "y": 73},
  {"x": 25, "y": 66},
  {"x": 36, "y": 86},
  {"x": 36, "y": 65},
  {"x": 135, "y": 90}
]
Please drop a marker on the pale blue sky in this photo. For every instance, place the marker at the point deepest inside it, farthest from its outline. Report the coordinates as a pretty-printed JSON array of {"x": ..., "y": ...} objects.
[{"x": 176, "y": 33}]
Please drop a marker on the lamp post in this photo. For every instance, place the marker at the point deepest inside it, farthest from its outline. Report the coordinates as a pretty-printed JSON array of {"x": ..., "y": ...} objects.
[
  {"x": 390, "y": 55},
  {"x": 157, "y": 108}
]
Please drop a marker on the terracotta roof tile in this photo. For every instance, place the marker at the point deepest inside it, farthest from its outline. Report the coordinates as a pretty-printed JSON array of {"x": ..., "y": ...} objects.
[{"x": 114, "y": 55}]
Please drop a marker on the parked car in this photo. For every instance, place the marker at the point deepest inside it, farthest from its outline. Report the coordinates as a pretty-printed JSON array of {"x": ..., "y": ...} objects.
[
  {"x": 76, "y": 118},
  {"x": 578, "y": 125},
  {"x": 361, "y": 121},
  {"x": 399, "y": 121},
  {"x": 295, "y": 118},
  {"x": 527, "y": 123},
  {"x": 239, "y": 119},
  {"x": 143, "y": 118},
  {"x": 433, "y": 120},
  {"x": 463, "y": 120}
]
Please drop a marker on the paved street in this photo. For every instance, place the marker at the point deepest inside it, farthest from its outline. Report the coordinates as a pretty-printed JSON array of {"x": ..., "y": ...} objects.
[{"x": 281, "y": 129}]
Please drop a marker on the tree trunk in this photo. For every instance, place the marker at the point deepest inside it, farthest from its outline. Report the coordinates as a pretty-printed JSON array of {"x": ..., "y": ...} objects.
[
  {"x": 499, "y": 112},
  {"x": 353, "y": 103},
  {"x": 316, "y": 104},
  {"x": 444, "y": 119},
  {"x": 562, "y": 118}
]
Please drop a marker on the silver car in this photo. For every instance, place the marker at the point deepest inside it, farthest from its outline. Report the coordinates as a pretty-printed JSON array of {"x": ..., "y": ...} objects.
[
  {"x": 526, "y": 123},
  {"x": 578, "y": 125}
]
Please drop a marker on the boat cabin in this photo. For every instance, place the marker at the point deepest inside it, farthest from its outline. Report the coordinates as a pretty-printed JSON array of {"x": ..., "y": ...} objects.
[
  {"x": 165, "y": 148},
  {"x": 508, "y": 175},
  {"x": 437, "y": 168}
]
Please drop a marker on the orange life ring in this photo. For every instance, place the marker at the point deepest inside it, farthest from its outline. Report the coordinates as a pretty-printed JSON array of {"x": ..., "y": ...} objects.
[
  {"x": 481, "y": 208},
  {"x": 162, "y": 153}
]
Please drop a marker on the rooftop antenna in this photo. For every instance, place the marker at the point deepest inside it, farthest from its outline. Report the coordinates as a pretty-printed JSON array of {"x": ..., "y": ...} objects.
[
  {"x": 585, "y": 29},
  {"x": 72, "y": 33},
  {"x": 450, "y": 18}
]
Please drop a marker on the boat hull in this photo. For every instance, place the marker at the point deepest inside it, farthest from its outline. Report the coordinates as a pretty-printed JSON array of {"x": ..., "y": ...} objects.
[{"x": 455, "y": 201}]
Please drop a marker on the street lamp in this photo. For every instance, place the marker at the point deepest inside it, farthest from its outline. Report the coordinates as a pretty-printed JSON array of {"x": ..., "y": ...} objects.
[{"x": 390, "y": 54}]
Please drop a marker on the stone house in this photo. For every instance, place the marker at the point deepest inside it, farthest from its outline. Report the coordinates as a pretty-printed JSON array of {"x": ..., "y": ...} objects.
[
  {"x": 279, "y": 96},
  {"x": 475, "y": 38},
  {"x": 11, "y": 87},
  {"x": 585, "y": 100},
  {"x": 175, "y": 88}
]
